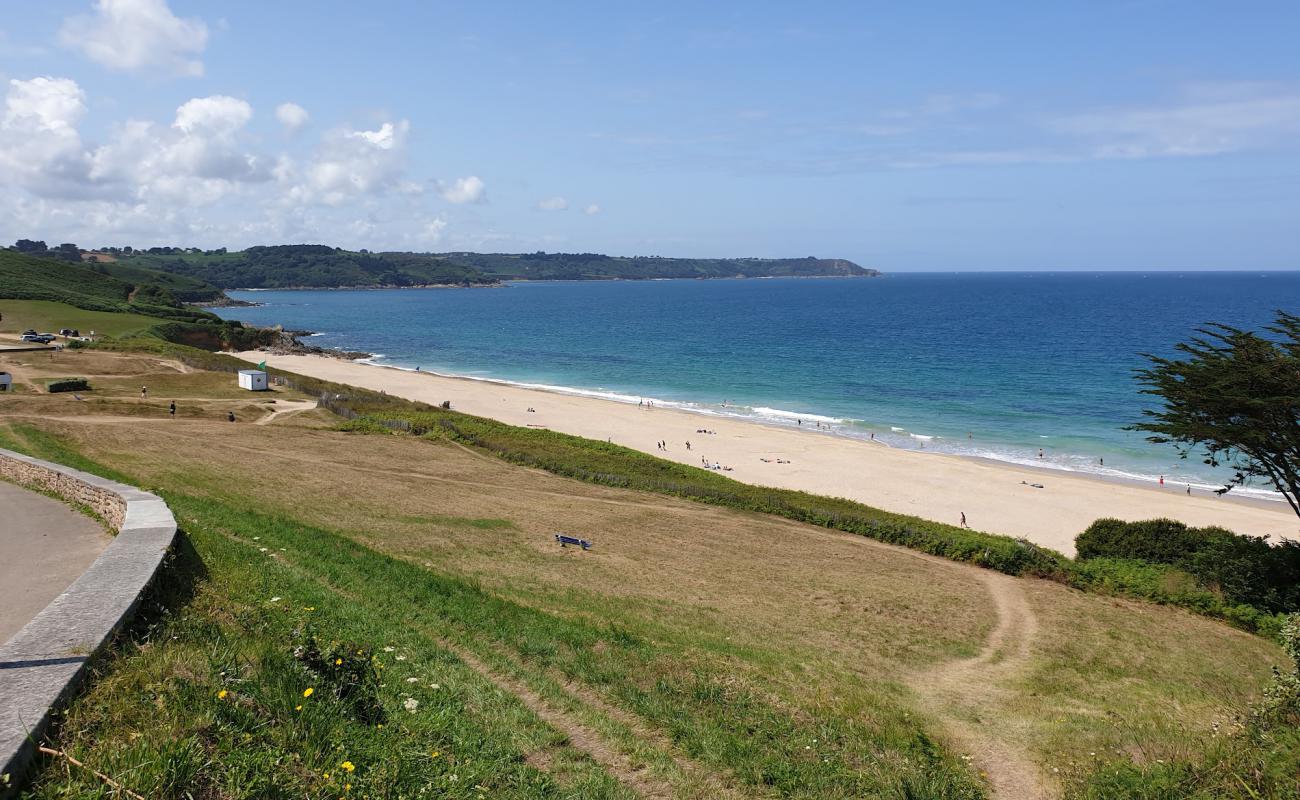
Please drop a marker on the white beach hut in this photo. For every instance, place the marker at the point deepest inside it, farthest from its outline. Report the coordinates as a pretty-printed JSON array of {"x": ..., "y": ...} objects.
[
  {"x": 254, "y": 380},
  {"x": 6, "y": 381}
]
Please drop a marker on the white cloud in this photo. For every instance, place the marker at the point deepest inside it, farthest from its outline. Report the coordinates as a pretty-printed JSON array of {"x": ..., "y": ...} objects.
[
  {"x": 217, "y": 115},
  {"x": 553, "y": 204},
  {"x": 40, "y": 148},
  {"x": 470, "y": 189},
  {"x": 292, "y": 116},
  {"x": 353, "y": 163},
  {"x": 591, "y": 210},
  {"x": 137, "y": 35},
  {"x": 1214, "y": 119},
  {"x": 432, "y": 231}
]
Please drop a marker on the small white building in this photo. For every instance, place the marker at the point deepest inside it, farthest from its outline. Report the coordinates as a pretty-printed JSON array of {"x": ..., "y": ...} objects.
[
  {"x": 254, "y": 380},
  {"x": 6, "y": 381}
]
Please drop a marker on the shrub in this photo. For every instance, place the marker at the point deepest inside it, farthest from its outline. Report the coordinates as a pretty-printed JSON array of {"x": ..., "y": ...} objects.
[
  {"x": 1242, "y": 570},
  {"x": 67, "y": 385},
  {"x": 1161, "y": 541}
]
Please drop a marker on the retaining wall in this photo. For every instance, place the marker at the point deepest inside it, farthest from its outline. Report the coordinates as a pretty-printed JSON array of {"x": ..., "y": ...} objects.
[{"x": 46, "y": 661}]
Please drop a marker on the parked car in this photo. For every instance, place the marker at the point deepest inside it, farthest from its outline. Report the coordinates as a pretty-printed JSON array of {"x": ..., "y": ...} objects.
[{"x": 39, "y": 338}]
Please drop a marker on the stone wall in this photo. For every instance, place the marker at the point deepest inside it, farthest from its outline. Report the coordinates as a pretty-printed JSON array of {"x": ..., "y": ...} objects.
[
  {"x": 45, "y": 662},
  {"x": 33, "y": 474}
]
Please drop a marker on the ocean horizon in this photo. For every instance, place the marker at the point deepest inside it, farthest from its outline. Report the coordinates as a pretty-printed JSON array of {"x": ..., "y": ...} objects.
[{"x": 1031, "y": 368}]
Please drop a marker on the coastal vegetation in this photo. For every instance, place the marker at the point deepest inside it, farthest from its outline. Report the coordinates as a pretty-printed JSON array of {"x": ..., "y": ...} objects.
[
  {"x": 594, "y": 266},
  {"x": 289, "y": 266},
  {"x": 183, "y": 288},
  {"x": 50, "y": 294},
  {"x": 1244, "y": 570},
  {"x": 706, "y": 641},
  {"x": 25, "y": 277},
  {"x": 1235, "y": 397}
]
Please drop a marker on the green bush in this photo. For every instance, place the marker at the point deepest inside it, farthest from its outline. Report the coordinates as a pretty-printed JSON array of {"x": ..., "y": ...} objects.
[
  {"x": 67, "y": 385},
  {"x": 1240, "y": 570},
  {"x": 1162, "y": 541}
]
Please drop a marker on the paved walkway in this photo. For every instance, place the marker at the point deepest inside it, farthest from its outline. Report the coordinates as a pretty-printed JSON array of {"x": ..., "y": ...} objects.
[{"x": 44, "y": 547}]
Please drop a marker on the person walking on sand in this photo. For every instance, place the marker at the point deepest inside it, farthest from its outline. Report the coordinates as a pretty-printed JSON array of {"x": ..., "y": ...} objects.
[
  {"x": 144, "y": 392},
  {"x": 171, "y": 409},
  {"x": 688, "y": 445},
  {"x": 1162, "y": 480},
  {"x": 963, "y": 520}
]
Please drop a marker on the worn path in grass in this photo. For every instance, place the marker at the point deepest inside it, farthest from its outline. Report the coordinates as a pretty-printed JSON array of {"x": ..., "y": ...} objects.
[
  {"x": 284, "y": 408},
  {"x": 962, "y": 693}
]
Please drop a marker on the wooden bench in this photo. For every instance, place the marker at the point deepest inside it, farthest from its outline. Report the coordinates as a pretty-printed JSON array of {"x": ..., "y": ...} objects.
[{"x": 567, "y": 540}]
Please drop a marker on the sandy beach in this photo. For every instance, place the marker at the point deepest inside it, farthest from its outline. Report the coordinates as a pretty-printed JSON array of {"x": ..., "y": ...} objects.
[{"x": 996, "y": 498}]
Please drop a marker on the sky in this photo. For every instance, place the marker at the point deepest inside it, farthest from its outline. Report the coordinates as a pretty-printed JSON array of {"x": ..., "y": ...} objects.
[{"x": 920, "y": 136}]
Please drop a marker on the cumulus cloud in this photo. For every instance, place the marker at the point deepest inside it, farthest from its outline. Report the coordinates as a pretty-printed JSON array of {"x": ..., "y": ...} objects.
[
  {"x": 470, "y": 189},
  {"x": 200, "y": 178},
  {"x": 198, "y": 160},
  {"x": 591, "y": 210},
  {"x": 137, "y": 35},
  {"x": 553, "y": 204},
  {"x": 352, "y": 163},
  {"x": 292, "y": 116},
  {"x": 40, "y": 148}
]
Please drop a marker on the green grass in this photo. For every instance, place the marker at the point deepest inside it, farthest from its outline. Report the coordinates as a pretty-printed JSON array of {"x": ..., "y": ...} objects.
[
  {"x": 49, "y": 316},
  {"x": 27, "y": 278},
  {"x": 154, "y": 718}
]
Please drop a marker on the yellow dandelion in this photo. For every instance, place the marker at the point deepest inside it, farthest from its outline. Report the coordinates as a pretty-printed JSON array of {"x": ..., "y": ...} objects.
[
  {"x": 221, "y": 695},
  {"x": 434, "y": 754},
  {"x": 326, "y": 774},
  {"x": 297, "y": 708},
  {"x": 308, "y": 691},
  {"x": 348, "y": 765},
  {"x": 338, "y": 661},
  {"x": 380, "y": 725}
]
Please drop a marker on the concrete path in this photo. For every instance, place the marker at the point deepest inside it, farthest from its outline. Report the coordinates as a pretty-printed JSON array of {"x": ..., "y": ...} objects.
[{"x": 44, "y": 547}]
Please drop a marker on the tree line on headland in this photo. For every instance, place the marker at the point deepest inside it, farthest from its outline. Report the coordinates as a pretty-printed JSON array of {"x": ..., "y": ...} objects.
[{"x": 321, "y": 266}]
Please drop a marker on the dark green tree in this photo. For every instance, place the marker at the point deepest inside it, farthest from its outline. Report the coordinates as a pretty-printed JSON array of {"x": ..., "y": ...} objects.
[{"x": 1234, "y": 396}]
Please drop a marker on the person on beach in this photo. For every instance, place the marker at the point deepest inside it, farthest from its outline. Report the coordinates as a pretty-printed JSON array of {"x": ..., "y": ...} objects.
[
  {"x": 963, "y": 520},
  {"x": 230, "y": 415},
  {"x": 1040, "y": 452},
  {"x": 1162, "y": 480},
  {"x": 688, "y": 445},
  {"x": 171, "y": 409},
  {"x": 144, "y": 392},
  {"x": 1189, "y": 490},
  {"x": 1101, "y": 462}
]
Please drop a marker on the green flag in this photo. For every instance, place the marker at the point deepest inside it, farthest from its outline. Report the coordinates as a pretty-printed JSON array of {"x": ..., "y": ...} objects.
[{"x": 262, "y": 365}]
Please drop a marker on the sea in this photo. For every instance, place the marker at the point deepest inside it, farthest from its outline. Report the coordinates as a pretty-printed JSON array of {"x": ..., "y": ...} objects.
[{"x": 1028, "y": 368}]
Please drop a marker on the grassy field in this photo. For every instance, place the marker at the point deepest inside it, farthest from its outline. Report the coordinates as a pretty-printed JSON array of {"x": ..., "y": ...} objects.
[
  {"x": 696, "y": 652},
  {"x": 49, "y": 316}
]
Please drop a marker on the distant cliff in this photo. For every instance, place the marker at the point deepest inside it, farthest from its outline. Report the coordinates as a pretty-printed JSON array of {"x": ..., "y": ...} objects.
[
  {"x": 593, "y": 266},
  {"x": 295, "y": 266}
]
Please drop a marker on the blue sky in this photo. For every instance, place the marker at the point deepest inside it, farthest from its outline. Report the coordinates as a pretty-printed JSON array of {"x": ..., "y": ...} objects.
[{"x": 924, "y": 136}]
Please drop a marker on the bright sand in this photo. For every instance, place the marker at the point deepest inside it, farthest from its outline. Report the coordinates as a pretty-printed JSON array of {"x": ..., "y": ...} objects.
[{"x": 995, "y": 497}]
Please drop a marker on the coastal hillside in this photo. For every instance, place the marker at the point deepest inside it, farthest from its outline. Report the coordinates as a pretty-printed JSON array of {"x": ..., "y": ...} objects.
[
  {"x": 321, "y": 266},
  {"x": 306, "y": 265},
  {"x": 91, "y": 287},
  {"x": 593, "y": 266},
  {"x": 183, "y": 288},
  {"x": 361, "y": 607}
]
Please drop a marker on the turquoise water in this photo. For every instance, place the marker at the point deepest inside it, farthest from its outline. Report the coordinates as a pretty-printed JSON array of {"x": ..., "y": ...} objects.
[{"x": 996, "y": 365}]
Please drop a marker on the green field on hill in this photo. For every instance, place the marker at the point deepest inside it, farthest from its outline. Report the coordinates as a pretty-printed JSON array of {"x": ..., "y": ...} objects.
[{"x": 48, "y": 316}]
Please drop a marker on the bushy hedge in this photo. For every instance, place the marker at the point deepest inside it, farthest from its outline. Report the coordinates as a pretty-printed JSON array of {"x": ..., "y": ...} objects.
[
  {"x": 1243, "y": 570},
  {"x": 67, "y": 385}
]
